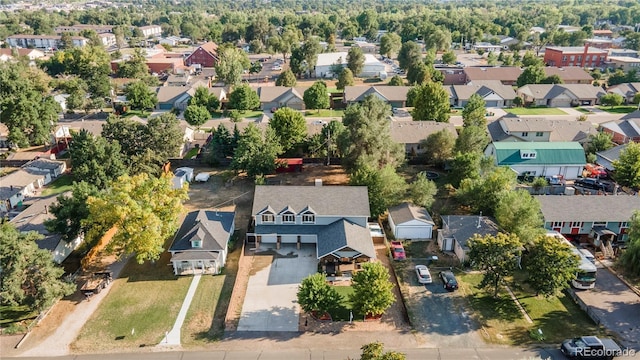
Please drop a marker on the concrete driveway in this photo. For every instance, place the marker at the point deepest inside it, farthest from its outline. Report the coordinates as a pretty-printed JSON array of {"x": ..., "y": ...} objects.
[{"x": 270, "y": 303}]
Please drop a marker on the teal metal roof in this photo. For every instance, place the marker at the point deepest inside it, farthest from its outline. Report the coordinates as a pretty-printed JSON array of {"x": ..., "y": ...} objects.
[{"x": 546, "y": 153}]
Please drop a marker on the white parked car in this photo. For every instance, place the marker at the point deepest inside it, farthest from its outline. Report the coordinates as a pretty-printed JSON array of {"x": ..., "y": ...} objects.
[{"x": 423, "y": 274}]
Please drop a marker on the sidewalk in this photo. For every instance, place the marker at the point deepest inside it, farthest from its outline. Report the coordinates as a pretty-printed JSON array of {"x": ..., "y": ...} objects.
[{"x": 172, "y": 338}]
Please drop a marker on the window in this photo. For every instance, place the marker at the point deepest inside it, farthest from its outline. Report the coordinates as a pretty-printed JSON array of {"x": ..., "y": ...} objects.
[
  {"x": 557, "y": 224},
  {"x": 600, "y": 223},
  {"x": 572, "y": 58},
  {"x": 576, "y": 224},
  {"x": 288, "y": 218},
  {"x": 527, "y": 154},
  {"x": 525, "y": 134},
  {"x": 624, "y": 225},
  {"x": 564, "y": 58},
  {"x": 579, "y": 57},
  {"x": 268, "y": 218},
  {"x": 308, "y": 218},
  {"x": 196, "y": 244},
  {"x": 539, "y": 134}
]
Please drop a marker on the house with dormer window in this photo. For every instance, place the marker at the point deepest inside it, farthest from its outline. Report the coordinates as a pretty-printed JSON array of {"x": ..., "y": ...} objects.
[
  {"x": 331, "y": 218},
  {"x": 201, "y": 244}
]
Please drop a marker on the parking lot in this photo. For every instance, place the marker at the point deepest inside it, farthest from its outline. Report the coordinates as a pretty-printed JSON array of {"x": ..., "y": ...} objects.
[
  {"x": 270, "y": 303},
  {"x": 436, "y": 313}
]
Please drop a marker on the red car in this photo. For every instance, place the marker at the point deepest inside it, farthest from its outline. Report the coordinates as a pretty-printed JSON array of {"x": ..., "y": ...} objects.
[{"x": 397, "y": 251}]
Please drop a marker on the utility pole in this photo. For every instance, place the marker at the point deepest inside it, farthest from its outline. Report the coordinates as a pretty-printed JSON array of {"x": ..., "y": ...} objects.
[{"x": 328, "y": 146}]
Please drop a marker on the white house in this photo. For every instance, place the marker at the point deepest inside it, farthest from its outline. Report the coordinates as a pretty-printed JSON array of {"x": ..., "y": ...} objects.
[
  {"x": 328, "y": 61},
  {"x": 53, "y": 167},
  {"x": 201, "y": 244},
  {"x": 408, "y": 221},
  {"x": 457, "y": 230}
]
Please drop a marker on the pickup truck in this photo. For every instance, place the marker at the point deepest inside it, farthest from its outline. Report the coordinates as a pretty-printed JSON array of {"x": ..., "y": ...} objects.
[{"x": 590, "y": 347}]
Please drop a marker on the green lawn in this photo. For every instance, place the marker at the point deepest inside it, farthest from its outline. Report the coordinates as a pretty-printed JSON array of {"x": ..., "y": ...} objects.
[
  {"x": 341, "y": 313},
  {"x": 334, "y": 91},
  {"x": 623, "y": 109},
  {"x": 138, "y": 113},
  {"x": 251, "y": 114},
  {"x": 535, "y": 111},
  {"x": 15, "y": 319},
  {"x": 583, "y": 110},
  {"x": 142, "y": 305},
  {"x": 62, "y": 184},
  {"x": 558, "y": 317},
  {"x": 323, "y": 113},
  {"x": 191, "y": 153}
]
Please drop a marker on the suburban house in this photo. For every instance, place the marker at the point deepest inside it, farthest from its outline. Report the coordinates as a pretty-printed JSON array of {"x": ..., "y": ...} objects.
[
  {"x": 569, "y": 75},
  {"x": 11, "y": 53},
  {"x": 32, "y": 219},
  {"x": 275, "y": 97},
  {"x": 408, "y": 221},
  {"x": 512, "y": 127},
  {"x": 20, "y": 184},
  {"x": 327, "y": 62},
  {"x": 206, "y": 55},
  {"x": 178, "y": 80},
  {"x": 575, "y": 56},
  {"x": 411, "y": 133},
  {"x": 607, "y": 157},
  {"x": 170, "y": 97},
  {"x": 493, "y": 92},
  {"x": 458, "y": 229},
  {"x": 53, "y": 167},
  {"x": 396, "y": 96},
  {"x": 625, "y": 63},
  {"x": 507, "y": 75},
  {"x": 201, "y": 244},
  {"x": 560, "y": 95},
  {"x": 332, "y": 218},
  {"x": 599, "y": 217},
  {"x": 624, "y": 130},
  {"x": 626, "y": 90},
  {"x": 534, "y": 158}
]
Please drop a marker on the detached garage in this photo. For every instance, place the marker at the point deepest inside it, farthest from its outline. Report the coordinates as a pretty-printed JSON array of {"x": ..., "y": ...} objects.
[{"x": 408, "y": 221}]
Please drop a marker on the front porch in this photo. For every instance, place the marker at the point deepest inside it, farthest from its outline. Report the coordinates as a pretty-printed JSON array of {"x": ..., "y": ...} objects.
[
  {"x": 342, "y": 267},
  {"x": 190, "y": 263}
]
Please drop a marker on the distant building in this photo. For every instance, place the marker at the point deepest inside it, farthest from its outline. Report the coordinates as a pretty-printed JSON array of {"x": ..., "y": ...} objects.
[
  {"x": 327, "y": 61},
  {"x": 206, "y": 55},
  {"x": 151, "y": 31},
  {"x": 575, "y": 56},
  {"x": 100, "y": 29},
  {"x": 625, "y": 63},
  {"x": 43, "y": 41}
]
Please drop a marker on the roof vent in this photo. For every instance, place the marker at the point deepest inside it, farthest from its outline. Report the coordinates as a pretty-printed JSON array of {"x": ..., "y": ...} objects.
[{"x": 318, "y": 182}]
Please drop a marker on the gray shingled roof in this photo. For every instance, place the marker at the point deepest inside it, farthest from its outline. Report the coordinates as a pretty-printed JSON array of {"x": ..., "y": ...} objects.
[
  {"x": 44, "y": 164},
  {"x": 483, "y": 88},
  {"x": 406, "y": 212},
  {"x": 33, "y": 218},
  {"x": 325, "y": 200},
  {"x": 213, "y": 228},
  {"x": 412, "y": 132},
  {"x": 567, "y": 74},
  {"x": 561, "y": 130},
  {"x": 504, "y": 73},
  {"x": 273, "y": 93},
  {"x": 344, "y": 234},
  {"x": 390, "y": 93},
  {"x": 464, "y": 227},
  {"x": 612, "y": 154},
  {"x": 583, "y": 208},
  {"x": 551, "y": 91},
  {"x": 22, "y": 177}
]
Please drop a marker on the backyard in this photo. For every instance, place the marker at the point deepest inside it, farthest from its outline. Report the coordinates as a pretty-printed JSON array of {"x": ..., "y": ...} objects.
[
  {"x": 60, "y": 185},
  {"x": 535, "y": 111}
]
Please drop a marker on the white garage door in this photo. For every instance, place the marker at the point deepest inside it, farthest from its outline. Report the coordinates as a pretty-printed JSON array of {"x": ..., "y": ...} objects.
[
  {"x": 550, "y": 171},
  {"x": 560, "y": 103},
  {"x": 492, "y": 103},
  {"x": 288, "y": 239},
  {"x": 413, "y": 232},
  {"x": 308, "y": 239},
  {"x": 269, "y": 239}
]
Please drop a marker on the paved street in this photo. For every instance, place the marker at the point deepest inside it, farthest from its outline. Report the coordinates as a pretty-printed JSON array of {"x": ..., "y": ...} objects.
[{"x": 617, "y": 307}]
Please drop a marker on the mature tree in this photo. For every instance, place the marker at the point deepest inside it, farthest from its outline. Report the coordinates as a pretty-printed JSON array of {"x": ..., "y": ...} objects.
[
  {"x": 70, "y": 211},
  {"x": 449, "y": 57},
  {"x": 497, "y": 256},
  {"x": 410, "y": 53},
  {"x": 531, "y": 75},
  {"x": 231, "y": 65},
  {"x": 518, "y": 212},
  {"x": 632, "y": 41},
  {"x": 628, "y": 166},
  {"x": 372, "y": 290},
  {"x": 355, "y": 60},
  {"x": 134, "y": 68},
  {"x": 636, "y": 98},
  {"x": 630, "y": 258},
  {"x": 385, "y": 187},
  {"x": 611, "y": 99},
  {"x": 518, "y": 101},
  {"x": 431, "y": 103},
  {"x": 286, "y": 78},
  {"x": 375, "y": 351},
  {"x": 552, "y": 79},
  {"x": 618, "y": 77},
  {"x": 390, "y": 44},
  {"x": 76, "y": 88},
  {"x": 396, "y": 81},
  {"x": 473, "y": 113},
  {"x": 368, "y": 138},
  {"x": 202, "y": 97},
  {"x": 143, "y": 209},
  {"x": 317, "y": 297},
  {"x": 472, "y": 139},
  {"x": 600, "y": 141},
  {"x": 418, "y": 73},
  {"x": 255, "y": 155},
  {"x": 244, "y": 98},
  {"x": 220, "y": 145},
  {"x": 345, "y": 79},
  {"x": 196, "y": 115},
  {"x": 438, "y": 147},
  {"x": 140, "y": 96},
  {"x": 465, "y": 166},
  {"x": 423, "y": 191},
  {"x": 550, "y": 265},
  {"x": 29, "y": 275},
  {"x": 289, "y": 126},
  {"x": 66, "y": 41},
  {"x": 95, "y": 160},
  {"x": 316, "y": 96},
  {"x": 484, "y": 194}
]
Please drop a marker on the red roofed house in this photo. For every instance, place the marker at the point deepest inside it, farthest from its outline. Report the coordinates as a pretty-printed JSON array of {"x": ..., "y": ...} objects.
[{"x": 206, "y": 55}]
